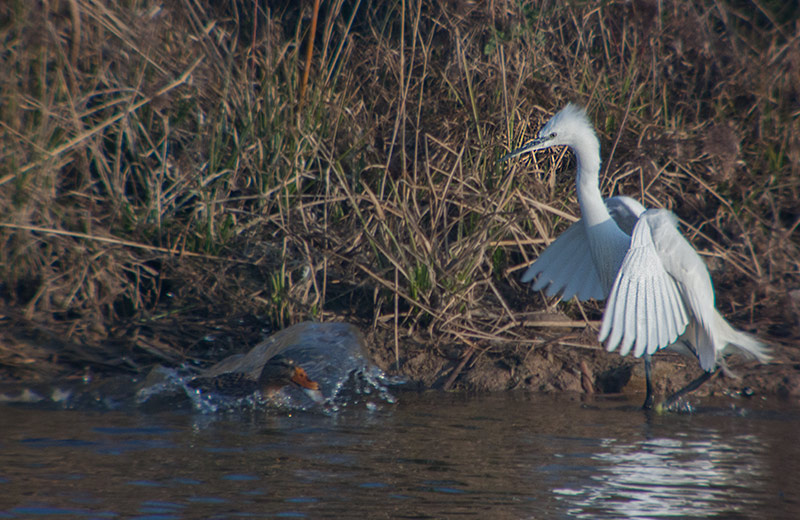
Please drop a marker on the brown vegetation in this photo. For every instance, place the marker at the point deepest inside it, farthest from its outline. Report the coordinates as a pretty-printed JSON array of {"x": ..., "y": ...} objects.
[{"x": 160, "y": 183}]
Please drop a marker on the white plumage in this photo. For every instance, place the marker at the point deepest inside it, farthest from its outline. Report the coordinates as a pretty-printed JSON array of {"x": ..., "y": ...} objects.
[
  {"x": 566, "y": 267},
  {"x": 658, "y": 288}
]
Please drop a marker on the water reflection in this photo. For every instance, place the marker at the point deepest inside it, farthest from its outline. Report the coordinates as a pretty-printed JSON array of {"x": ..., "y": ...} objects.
[
  {"x": 669, "y": 477},
  {"x": 429, "y": 456}
]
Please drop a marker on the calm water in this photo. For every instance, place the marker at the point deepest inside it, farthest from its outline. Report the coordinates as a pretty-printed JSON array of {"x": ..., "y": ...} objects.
[{"x": 430, "y": 455}]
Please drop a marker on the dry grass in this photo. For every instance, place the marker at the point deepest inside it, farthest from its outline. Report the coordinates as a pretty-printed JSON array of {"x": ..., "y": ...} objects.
[{"x": 158, "y": 176}]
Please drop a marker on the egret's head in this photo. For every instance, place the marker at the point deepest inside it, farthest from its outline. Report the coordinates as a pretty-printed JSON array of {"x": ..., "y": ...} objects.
[{"x": 567, "y": 127}]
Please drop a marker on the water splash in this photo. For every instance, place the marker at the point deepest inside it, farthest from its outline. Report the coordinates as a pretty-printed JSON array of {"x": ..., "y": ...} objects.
[
  {"x": 332, "y": 354},
  {"x": 366, "y": 385}
]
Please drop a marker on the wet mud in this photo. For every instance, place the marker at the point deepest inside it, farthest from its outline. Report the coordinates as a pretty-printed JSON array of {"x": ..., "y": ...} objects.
[{"x": 581, "y": 370}]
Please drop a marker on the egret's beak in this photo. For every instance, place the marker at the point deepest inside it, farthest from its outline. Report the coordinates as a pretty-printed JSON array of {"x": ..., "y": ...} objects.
[{"x": 534, "y": 144}]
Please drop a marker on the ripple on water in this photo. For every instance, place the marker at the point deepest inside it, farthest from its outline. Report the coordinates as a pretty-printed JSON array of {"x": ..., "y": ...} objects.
[
  {"x": 666, "y": 477},
  {"x": 437, "y": 455}
]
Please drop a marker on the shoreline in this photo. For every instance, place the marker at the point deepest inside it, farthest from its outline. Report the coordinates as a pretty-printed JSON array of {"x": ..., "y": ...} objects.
[{"x": 552, "y": 368}]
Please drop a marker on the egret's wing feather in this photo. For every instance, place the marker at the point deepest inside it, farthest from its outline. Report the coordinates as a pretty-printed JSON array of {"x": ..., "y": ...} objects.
[
  {"x": 678, "y": 314},
  {"x": 666, "y": 324},
  {"x": 644, "y": 300},
  {"x": 539, "y": 273},
  {"x": 647, "y": 331},
  {"x": 708, "y": 334},
  {"x": 580, "y": 281},
  {"x": 564, "y": 261},
  {"x": 691, "y": 276},
  {"x": 615, "y": 311},
  {"x": 625, "y": 211},
  {"x": 629, "y": 319},
  {"x": 566, "y": 266}
]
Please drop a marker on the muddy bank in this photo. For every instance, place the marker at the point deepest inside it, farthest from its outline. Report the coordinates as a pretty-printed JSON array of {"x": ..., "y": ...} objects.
[
  {"x": 580, "y": 370},
  {"x": 581, "y": 367}
]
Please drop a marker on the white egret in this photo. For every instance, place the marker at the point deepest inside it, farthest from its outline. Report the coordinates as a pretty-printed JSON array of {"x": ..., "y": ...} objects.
[{"x": 658, "y": 288}]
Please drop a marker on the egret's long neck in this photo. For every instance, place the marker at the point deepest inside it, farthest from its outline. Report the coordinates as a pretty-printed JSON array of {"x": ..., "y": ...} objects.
[
  {"x": 587, "y": 154},
  {"x": 607, "y": 242}
]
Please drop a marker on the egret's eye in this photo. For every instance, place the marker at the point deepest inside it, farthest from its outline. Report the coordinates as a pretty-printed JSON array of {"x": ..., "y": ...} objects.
[{"x": 552, "y": 136}]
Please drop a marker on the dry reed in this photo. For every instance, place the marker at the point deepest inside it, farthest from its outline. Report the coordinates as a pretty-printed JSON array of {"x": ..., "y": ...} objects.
[{"x": 158, "y": 178}]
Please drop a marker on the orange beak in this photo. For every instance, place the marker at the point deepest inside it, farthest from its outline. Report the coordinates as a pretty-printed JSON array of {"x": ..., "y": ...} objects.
[{"x": 300, "y": 378}]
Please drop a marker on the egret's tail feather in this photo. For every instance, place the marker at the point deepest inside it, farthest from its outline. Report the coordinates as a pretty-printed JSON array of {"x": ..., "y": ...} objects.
[
  {"x": 742, "y": 343},
  {"x": 726, "y": 370}
]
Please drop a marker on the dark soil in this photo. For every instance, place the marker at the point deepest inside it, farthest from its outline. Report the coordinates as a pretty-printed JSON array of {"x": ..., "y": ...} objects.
[
  {"x": 547, "y": 368},
  {"x": 587, "y": 370}
]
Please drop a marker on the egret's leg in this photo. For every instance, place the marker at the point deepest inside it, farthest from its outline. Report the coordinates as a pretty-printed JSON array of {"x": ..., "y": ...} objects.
[
  {"x": 648, "y": 400},
  {"x": 691, "y": 387}
]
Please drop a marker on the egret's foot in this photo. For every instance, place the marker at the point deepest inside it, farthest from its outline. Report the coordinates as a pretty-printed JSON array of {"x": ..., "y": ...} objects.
[
  {"x": 648, "y": 402},
  {"x": 670, "y": 401}
]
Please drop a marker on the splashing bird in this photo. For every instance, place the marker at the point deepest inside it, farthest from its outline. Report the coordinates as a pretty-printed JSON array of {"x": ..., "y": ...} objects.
[
  {"x": 658, "y": 288},
  {"x": 240, "y": 376}
]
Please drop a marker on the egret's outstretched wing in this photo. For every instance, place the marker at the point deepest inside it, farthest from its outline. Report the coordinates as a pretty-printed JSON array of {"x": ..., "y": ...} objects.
[
  {"x": 566, "y": 266},
  {"x": 680, "y": 259},
  {"x": 663, "y": 294},
  {"x": 646, "y": 309}
]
